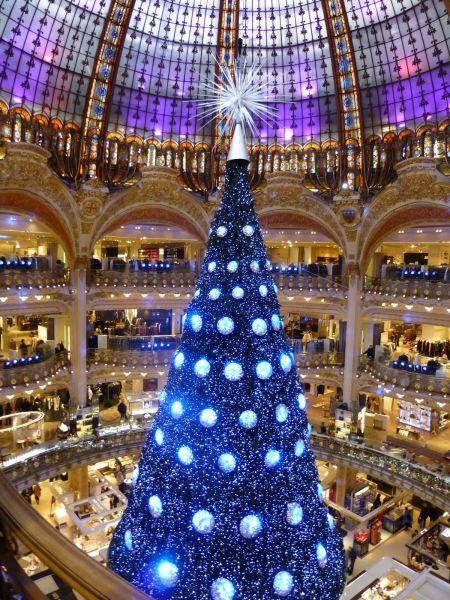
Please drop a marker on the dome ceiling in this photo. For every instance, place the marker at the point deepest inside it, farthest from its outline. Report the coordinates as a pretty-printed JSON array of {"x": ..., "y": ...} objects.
[{"x": 345, "y": 68}]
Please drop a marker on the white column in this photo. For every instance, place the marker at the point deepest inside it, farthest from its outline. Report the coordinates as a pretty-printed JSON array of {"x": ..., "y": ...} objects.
[
  {"x": 78, "y": 338},
  {"x": 353, "y": 337}
]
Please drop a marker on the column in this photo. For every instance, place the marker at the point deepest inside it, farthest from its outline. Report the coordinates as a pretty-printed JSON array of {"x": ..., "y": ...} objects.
[
  {"x": 345, "y": 481},
  {"x": 353, "y": 336},
  {"x": 78, "y": 481},
  {"x": 78, "y": 339}
]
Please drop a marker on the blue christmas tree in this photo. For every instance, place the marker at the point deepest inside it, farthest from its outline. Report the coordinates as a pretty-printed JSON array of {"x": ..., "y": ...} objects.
[{"x": 226, "y": 501}]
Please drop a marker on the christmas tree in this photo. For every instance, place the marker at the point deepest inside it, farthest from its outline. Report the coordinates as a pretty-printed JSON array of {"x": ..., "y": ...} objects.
[{"x": 226, "y": 501}]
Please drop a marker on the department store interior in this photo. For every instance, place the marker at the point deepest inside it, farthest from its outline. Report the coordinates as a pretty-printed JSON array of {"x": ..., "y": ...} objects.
[{"x": 105, "y": 216}]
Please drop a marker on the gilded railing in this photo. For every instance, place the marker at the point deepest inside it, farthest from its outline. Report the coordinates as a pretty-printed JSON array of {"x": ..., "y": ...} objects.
[
  {"x": 43, "y": 461},
  {"x": 33, "y": 373},
  {"x": 408, "y": 379},
  {"x": 38, "y": 280},
  {"x": 408, "y": 288}
]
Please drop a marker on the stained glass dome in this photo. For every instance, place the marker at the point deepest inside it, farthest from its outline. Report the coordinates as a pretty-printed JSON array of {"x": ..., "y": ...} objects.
[{"x": 340, "y": 72}]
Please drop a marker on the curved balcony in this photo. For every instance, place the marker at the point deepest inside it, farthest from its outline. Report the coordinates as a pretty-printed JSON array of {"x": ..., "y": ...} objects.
[
  {"x": 34, "y": 279},
  {"x": 439, "y": 383},
  {"x": 46, "y": 460},
  {"x": 408, "y": 288},
  {"x": 33, "y": 373},
  {"x": 184, "y": 280}
]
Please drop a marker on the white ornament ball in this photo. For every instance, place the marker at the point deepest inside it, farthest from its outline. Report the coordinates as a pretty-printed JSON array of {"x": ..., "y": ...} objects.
[
  {"x": 212, "y": 266},
  {"x": 222, "y": 231},
  {"x": 225, "y": 325},
  {"x": 203, "y": 521},
  {"x": 232, "y": 266},
  {"x": 285, "y": 362},
  {"x": 197, "y": 294},
  {"x": 272, "y": 458},
  {"x": 128, "y": 539},
  {"x": 276, "y": 322},
  {"x": 155, "y": 506},
  {"x": 237, "y": 292},
  {"x": 248, "y": 230},
  {"x": 222, "y": 589},
  {"x": 233, "y": 371},
  {"x": 248, "y": 419},
  {"x": 263, "y": 291},
  {"x": 214, "y": 294},
  {"x": 208, "y": 417},
  {"x": 168, "y": 574},
  {"x": 250, "y": 527},
  {"x": 226, "y": 462},
  {"x": 283, "y": 583},
  {"x": 254, "y": 266},
  {"x": 299, "y": 448},
  {"x": 196, "y": 323},
  {"x": 185, "y": 455},
  {"x": 281, "y": 413},
  {"x": 159, "y": 436},
  {"x": 294, "y": 513},
  {"x": 202, "y": 368},
  {"x": 176, "y": 410},
  {"x": 264, "y": 370},
  {"x": 301, "y": 401},
  {"x": 178, "y": 360},
  {"x": 259, "y": 327}
]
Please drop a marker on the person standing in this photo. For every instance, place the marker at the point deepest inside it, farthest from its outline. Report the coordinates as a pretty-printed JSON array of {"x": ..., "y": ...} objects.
[
  {"x": 423, "y": 516},
  {"x": 23, "y": 348},
  {"x": 122, "y": 410},
  {"x": 406, "y": 519},
  {"x": 37, "y": 491},
  {"x": 352, "y": 556}
]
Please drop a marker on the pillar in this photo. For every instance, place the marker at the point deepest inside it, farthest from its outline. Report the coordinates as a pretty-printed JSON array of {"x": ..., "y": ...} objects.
[
  {"x": 345, "y": 481},
  {"x": 307, "y": 255},
  {"x": 78, "y": 481},
  {"x": 353, "y": 336},
  {"x": 78, "y": 339}
]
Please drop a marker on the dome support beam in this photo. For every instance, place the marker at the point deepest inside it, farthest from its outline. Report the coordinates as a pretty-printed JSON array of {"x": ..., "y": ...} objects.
[
  {"x": 98, "y": 101},
  {"x": 351, "y": 131}
]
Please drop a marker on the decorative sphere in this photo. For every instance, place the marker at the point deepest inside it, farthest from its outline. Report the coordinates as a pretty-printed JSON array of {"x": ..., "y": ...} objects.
[
  {"x": 308, "y": 429},
  {"x": 263, "y": 290},
  {"x": 281, "y": 413},
  {"x": 268, "y": 265},
  {"x": 276, "y": 322},
  {"x": 237, "y": 292},
  {"x": 232, "y": 266},
  {"x": 167, "y": 574},
  {"x": 197, "y": 293},
  {"x": 320, "y": 490},
  {"x": 185, "y": 455},
  {"x": 214, "y": 294},
  {"x": 275, "y": 288},
  {"x": 259, "y": 327},
  {"x": 159, "y": 436},
  {"x": 248, "y": 419},
  {"x": 155, "y": 506},
  {"x": 202, "y": 368},
  {"x": 222, "y": 589},
  {"x": 176, "y": 410},
  {"x": 233, "y": 371},
  {"x": 285, "y": 362},
  {"x": 222, "y": 231},
  {"x": 330, "y": 521},
  {"x": 272, "y": 458},
  {"x": 203, "y": 521},
  {"x": 196, "y": 323},
  {"x": 294, "y": 513},
  {"x": 212, "y": 266},
  {"x": 208, "y": 417},
  {"x": 135, "y": 475},
  {"x": 264, "y": 369},
  {"x": 226, "y": 462},
  {"x": 299, "y": 448},
  {"x": 248, "y": 230},
  {"x": 301, "y": 401},
  {"x": 163, "y": 397},
  {"x": 128, "y": 539},
  {"x": 254, "y": 266},
  {"x": 283, "y": 583},
  {"x": 225, "y": 325},
  {"x": 178, "y": 360},
  {"x": 250, "y": 527},
  {"x": 321, "y": 555}
]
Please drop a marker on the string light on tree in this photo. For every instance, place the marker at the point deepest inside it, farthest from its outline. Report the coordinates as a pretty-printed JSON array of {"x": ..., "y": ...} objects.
[{"x": 226, "y": 503}]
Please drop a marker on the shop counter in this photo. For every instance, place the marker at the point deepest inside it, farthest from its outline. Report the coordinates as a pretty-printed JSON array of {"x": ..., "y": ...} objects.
[{"x": 392, "y": 521}]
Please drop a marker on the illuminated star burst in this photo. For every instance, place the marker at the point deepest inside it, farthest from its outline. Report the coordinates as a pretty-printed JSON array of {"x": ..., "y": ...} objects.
[{"x": 237, "y": 97}]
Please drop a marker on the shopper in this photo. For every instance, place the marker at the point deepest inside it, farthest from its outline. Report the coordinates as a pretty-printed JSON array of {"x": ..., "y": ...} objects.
[
  {"x": 323, "y": 428},
  {"x": 406, "y": 519},
  {"x": 377, "y": 502},
  {"x": 423, "y": 515},
  {"x": 37, "y": 491},
  {"x": 122, "y": 410},
  {"x": 23, "y": 348},
  {"x": 352, "y": 556}
]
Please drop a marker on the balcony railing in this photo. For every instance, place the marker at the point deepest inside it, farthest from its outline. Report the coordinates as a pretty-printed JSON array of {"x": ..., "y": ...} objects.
[
  {"x": 408, "y": 288},
  {"x": 34, "y": 279},
  {"x": 35, "y": 372},
  {"x": 439, "y": 383},
  {"x": 40, "y": 461}
]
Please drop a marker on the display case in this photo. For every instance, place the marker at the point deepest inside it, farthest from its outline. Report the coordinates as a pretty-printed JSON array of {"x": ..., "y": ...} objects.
[
  {"x": 143, "y": 405},
  {"x": 414, "y": 415},
  {"x": 343, "y": 423},
  {"x": 361, "y": 542},
  {"x": 392, "y": 521},
  {"x": 360, "y": 499},
  {"x": 389, "y": 586}
]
